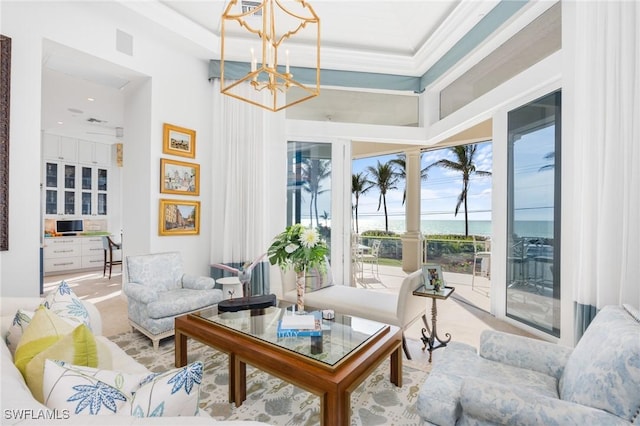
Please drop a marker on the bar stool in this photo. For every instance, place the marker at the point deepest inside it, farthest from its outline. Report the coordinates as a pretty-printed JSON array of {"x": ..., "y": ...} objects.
[{"x": 109, "y": 246}]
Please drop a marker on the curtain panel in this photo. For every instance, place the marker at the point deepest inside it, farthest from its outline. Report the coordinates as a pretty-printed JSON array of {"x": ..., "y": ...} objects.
[
  {"x": 240, "y": 186},
  {"x": 605, "y": 157}
]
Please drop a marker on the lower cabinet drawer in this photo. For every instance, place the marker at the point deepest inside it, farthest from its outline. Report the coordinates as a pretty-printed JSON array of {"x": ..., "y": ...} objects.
[
  {"x": 62, "y": 264},
  {"x": 94, "y": 261}
]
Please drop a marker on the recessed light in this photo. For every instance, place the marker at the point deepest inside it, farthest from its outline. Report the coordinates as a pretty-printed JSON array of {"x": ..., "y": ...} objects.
[
  {"x": 60, "y": 122},
  {"x": 90, "y": 99}
]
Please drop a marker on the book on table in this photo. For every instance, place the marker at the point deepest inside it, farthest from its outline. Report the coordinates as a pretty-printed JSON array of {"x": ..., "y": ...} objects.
[{"x": 299, "y": 325}]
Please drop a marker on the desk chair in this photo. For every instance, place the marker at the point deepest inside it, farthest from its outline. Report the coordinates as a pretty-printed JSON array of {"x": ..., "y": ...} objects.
[{"x": 109, "y": 246}]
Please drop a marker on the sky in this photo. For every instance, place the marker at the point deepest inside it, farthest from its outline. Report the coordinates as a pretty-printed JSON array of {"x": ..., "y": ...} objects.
[{"x": 439, "y": 192}]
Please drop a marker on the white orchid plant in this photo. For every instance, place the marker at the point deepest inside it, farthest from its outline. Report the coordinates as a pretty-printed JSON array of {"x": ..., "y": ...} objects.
[{"x": 298, "y": 247}]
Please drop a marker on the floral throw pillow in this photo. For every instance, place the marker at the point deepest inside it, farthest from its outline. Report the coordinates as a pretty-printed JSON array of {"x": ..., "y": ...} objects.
[
  {"x": 173, "y": 393},
  {"x": 19, "y": 324},
  {"x": 90, "y": 391},
  {"x": 64, "y": 302}
]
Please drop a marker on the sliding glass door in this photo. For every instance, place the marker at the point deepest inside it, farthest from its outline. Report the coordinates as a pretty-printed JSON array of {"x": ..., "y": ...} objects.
[
  {"x": 309, "y": 186},
  {"x": 533, "y": 228}
]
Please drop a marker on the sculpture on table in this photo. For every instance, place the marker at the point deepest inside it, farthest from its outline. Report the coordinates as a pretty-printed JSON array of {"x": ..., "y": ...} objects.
[{"x": 243, "y": 273}]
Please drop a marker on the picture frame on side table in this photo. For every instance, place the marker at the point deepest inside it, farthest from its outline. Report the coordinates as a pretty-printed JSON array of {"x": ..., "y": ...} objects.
[
  {"x": 179, "y": 177},
  {"x": 179, "y": 217},
  {"x": 178, "y": 141},
  {"x": 431, "y": 273}
]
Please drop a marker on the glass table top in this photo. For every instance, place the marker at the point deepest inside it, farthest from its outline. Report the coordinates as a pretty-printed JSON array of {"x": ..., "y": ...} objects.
[
  {"x": 429, "y": 292},
  {"x": 339, "y": 337}
]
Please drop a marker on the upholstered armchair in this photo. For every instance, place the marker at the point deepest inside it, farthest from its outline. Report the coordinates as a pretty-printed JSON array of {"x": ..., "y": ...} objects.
[
  {"x": 158, "y": 290},
  {"x": 517, "y": 380}
]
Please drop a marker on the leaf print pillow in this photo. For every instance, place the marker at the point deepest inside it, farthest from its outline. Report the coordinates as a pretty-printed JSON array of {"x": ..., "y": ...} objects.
[
  {"x": 20, "y": 322},
  {"x": 91, "y": 391},
  {"x": 88, "y": 391},
  {"x": 173, "y": 393},
  {"x": 64, "y": 302}
]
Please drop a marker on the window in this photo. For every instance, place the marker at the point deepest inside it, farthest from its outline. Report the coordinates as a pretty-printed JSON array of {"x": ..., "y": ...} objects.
[{"x": 533, "y": 219}]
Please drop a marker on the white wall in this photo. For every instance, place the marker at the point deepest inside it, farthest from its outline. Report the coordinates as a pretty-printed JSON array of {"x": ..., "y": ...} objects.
[{"x": 177, "y": 92}]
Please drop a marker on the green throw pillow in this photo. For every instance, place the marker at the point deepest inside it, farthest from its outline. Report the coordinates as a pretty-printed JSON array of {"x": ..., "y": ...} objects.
[{"x": 45, "y": 329}]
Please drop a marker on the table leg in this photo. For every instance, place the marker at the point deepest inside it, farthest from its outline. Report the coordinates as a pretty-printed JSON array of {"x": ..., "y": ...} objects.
[
  {"x": 238, "y": 380},
  {"x": 181, "y": 349},
  {"x": 433, "y": 340},
  {"x": 395, "y": 374},
  {"x": 335, "y": 409}
]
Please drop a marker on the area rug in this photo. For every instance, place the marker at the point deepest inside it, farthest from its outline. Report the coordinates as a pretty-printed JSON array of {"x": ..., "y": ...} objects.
[{"x": 375, "y": 402}]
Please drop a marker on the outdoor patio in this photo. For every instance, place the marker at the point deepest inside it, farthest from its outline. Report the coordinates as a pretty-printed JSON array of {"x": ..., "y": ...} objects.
[{"x": 464, "y": 315}]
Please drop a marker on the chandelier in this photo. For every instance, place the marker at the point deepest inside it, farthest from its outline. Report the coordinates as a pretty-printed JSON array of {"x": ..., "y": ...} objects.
[{"x": 265, "y": 28}]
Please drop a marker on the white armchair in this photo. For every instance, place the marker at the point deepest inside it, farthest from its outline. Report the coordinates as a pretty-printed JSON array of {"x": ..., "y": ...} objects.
[
  {"x": 158, "y": 291},
  {"x": 523, "y": 381}
]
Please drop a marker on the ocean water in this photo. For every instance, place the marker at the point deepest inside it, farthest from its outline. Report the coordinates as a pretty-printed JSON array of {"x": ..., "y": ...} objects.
[{"x": 529, "y": 228}]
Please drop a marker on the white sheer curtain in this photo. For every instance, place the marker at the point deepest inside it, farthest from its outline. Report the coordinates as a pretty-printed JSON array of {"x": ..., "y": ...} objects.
[
  {"x": 604, "y": 156},
  {"x": 239, "y": 187}
]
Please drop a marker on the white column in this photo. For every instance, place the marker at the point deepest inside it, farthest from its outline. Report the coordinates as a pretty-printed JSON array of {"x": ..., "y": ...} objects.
[{"x": 412, "y": 239}]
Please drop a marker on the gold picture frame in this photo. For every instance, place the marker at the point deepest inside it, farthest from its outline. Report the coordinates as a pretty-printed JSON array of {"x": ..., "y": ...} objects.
[
  {"x": 179, "y": 217},
  {"x": 179, "y": 177},
  {"x": 178, "y": 141}
]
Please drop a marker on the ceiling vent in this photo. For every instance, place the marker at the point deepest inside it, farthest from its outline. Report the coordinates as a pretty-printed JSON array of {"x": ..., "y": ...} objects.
[{"x": 95, "y": 120}]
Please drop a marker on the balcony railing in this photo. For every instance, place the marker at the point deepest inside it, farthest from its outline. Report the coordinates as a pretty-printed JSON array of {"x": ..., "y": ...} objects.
[{"x": 453, "y": 254}]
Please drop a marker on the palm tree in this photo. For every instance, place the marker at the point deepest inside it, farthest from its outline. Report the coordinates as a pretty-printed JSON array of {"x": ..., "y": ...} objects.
[
  {"x": 385, "y": 178},
  {"x": 360, "y": 185},
  {"x": 549, "y": 156},
  {"x": 402, "y": 173},
  {"x": 464, "y": 156},
  {"x": 314, "y": 171}
]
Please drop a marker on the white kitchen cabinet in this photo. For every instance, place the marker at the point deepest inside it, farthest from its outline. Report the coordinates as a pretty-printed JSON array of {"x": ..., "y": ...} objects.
[
  {"x": 94, "y": 153},
  {"x": 59, "y": 148},
  {"x": 60, "y": 188},
  {"x": 92, "y": 253},
  {"x": 71, "y": 253}
]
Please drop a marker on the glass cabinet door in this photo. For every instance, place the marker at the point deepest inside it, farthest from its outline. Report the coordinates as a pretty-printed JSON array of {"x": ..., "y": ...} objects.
[
  {"x": 51, "y": 202},
  {"x": 102, "y": 192},
  {"x": 87, "y": 185},
  {"x": 69, "y": 202},
  {"x": 102, "y": 204},
  {"x": 69, "y": 176},
  {"x": 69, "y": 184},
  {"x": 86, "y": 178},
  {"x": 51, "y": 195},
  {"x": 52, "y": 175},
  {"x": 102, "y": 180}
]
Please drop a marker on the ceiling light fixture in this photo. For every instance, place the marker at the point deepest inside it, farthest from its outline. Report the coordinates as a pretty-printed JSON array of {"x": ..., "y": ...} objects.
[{"x": 270, "y": 26}]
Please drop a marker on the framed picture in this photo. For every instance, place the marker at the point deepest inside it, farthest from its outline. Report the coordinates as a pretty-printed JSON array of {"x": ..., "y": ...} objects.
[
  {"x": 178, "y": 141},
  {"x": 178, "y": 177},
  {"x": 179, "y": 217},
  {"x": 432, "y": 272}
]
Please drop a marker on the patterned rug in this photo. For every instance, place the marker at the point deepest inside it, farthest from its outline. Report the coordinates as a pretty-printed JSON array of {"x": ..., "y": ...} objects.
[{"x": 375, "y": 402}]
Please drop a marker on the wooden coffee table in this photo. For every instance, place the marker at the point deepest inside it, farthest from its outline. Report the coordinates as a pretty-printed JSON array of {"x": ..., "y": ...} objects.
[{"x": 351, "y": 349}]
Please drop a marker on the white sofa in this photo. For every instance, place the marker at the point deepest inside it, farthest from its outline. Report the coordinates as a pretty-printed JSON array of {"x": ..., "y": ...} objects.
[
  {"x": 16, "y": 399},
  {"x": 400, "y": 309}
]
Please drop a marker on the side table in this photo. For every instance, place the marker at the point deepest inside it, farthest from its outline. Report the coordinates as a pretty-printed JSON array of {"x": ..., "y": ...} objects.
[
  {"x": 433, "y": 340},
  {"x": 231, "y": 287}
]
